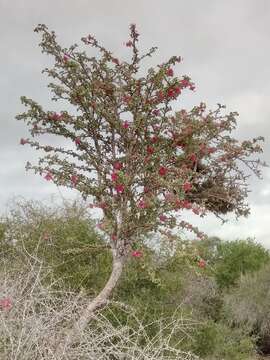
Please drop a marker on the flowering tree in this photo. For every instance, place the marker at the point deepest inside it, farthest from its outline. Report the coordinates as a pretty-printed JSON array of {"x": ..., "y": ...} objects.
[{"x": 130, "y": 153}]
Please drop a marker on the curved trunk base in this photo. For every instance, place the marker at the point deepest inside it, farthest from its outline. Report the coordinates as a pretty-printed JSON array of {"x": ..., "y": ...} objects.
[{"x": 98, "y": 302}]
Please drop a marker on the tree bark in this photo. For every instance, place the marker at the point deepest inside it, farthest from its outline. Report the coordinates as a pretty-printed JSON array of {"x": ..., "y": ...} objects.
[{"x": 98, "y": 302}]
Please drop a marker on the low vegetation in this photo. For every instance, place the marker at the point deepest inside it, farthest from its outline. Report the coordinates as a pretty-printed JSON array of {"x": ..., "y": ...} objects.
[{"x": 168, "y": 305}]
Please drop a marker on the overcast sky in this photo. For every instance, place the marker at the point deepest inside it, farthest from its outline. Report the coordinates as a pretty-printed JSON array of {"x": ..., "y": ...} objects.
[{"x": 225, "y": 46}]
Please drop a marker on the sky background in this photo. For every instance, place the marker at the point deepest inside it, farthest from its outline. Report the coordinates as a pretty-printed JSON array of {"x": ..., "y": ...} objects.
[{"x": 225, "y": 46}]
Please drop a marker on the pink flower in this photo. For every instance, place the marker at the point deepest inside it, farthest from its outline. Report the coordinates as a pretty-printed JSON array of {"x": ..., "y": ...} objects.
[
  {"x": 185, "y": 83},
  {"x": 66, "y": 57},
  {"x": 5, "y": 303},
  {"x": 114, "y": 237},
  {"x": 154, "y": 139},
  {"x": 160, "y": 95},
  {"x": 156, "y": 112},
  {"x": 169, "y": 197},
  {"x": 162, "y": 171},
  {"x": 125, "y": 125},
  {"x": 114, "y": 176},
  {"x": 77, "y": 141},
  {"x": 102, "y": 205},
  {"x": 23, "y": 141},
  {"x": 193, "y": 157},
  {"x": 142, "y": 204},
  {"x": 137, "y": 254},
  {"x": 117, "y": 165},
  {"x": 202, "y": 263},
  {"x": 170, "y": 92},
  {"x": 146, "y": 189},
  {"x": 48, "y": 176},
  {"x": 169, "y": 72},
  {"x": 150, "y": 150},
  {"x": 115, "y": 61},
  {"x": 177, "y": 90},
  {"x": 196, "y": 211},
  {"x": 74, "y": 180},
  {"x": 119, "y": 188},
  {"x": 211, "y": 150},
  {"x": 55, "y": 116},
  {"x": 162, "y": 217},
  {"x": 126, "y": 99},
  {"x": 187, "y": 186},
  {"x": 129, "y": 43},
  {"x": 186, "y": 204},
  {"x": 100, "y": 226}
]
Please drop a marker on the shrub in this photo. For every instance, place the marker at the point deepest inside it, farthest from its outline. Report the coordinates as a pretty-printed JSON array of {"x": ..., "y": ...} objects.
[
  {"x": 249, "y": 305},
  {"x": 237, "y": 258},
  {"x": 218, "y": 341},
  {"x": 32, "y": 324}
]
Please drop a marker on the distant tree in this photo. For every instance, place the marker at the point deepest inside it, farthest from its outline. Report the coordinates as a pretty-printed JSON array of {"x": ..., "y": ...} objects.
[
  {"x": 235, "y": 258},
  {"x": 130, "y": 153}
]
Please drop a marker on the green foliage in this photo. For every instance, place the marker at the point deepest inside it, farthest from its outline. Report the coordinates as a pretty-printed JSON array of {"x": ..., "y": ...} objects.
[
  {"x": 249, "y": 305},
  {"x": 237, "y": 258},
  {"x": 156, "y": 285},
  {"x": 218, "y": 341},
  {"x": 64, "y": 240}
]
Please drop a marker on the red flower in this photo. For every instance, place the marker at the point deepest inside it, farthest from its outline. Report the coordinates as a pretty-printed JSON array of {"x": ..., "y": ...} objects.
[
  {"x": 23, "y": 141},
  {"x": 77, "y": 141},
  {"x": 193, "y": 157},
  {"x": 154, "y": 139},
  {"x": 169, "y": 72},
  {"x": 115, "y": 61},
  {"x": 170, "y": 92},
  {"x": 125, "y": 124},
  {"x": 146, "y": 189},
  {"x": 211, "y": 150},
  {"x": 185, "y": 83},
  {"x": 126, "y": 99},
  {"x": 150, "y": 150},
  {"x": 160, "y": 95},
  {"x": 114, "y": 176},
  {"x": 156, "y": 112},
  {"x": 66, "y": 57},
  {"x": 129, "y": 43},
  {"x": 6, "y": 303},
  {"x": 162, "y": 217},
  {"x": 186, "y": 204},
  {"x": 196, "y": 211},
  {"x": 119, "y": 188},
  {"x": 100, "y": 226},
  {"x": 137, "y": 254},
  {"x": 56, "y": 116},
  {"x": 74, "y": 180},
  {"x": 117, "y": 165},
  {"x": 102, "y": 205},
  {"x": 142, "y": 204},
  {"x": 202, "y": 263},
  {"x": 169, "y": 197},
  {"x": 48, "y": 176},
  {"x": 162, "y": 171},
  {"x": 187, "y": 186},
  {"x": 177, "y": 90},
  {"x": 114, "y": 237}
]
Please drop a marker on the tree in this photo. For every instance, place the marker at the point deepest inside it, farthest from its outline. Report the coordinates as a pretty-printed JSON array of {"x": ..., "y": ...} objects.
[
  {"x": 131, "y": 154},
  {"x": 236, "y": 258}
]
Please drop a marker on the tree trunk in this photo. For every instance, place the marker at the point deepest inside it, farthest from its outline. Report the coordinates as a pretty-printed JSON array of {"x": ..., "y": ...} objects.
[{"x": 98, "y": 302}]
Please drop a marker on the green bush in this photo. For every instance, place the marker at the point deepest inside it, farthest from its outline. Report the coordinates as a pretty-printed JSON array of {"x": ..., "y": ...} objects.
[
  {"x": 219, "y": 341},
  {"x": 249, "y": 305},
  {"x": 237, "y": 258}
]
